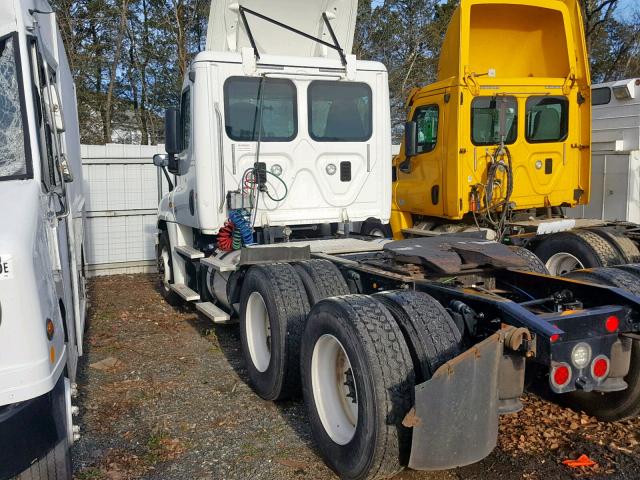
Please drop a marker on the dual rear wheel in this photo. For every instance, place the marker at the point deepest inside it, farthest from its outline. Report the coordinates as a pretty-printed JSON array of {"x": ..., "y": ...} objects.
[{"x": 355, "y": 358}]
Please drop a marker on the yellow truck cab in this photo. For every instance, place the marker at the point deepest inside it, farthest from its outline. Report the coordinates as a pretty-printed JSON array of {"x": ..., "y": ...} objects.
[{"x": 506, "y": 127}]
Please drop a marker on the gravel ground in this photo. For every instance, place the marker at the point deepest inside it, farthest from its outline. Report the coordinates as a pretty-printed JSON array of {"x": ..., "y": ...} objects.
[{"x": 163, "y": 395}]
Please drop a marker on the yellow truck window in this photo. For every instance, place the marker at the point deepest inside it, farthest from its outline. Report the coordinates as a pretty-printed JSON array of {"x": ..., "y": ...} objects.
[
  {"x": 485, "y": 120},
  {"x": 547, "y": 119},
  {"x": 426, "y": 119}
]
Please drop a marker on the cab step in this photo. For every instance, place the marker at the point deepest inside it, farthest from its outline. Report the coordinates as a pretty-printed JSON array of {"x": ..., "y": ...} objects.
[
  {"x": 189, "y": 252},
  {"x": 185, "y": 292},
  {"x": 213, "y": 312}
]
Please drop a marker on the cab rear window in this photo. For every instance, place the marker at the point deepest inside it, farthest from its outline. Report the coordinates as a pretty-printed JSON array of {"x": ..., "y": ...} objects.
[
  {"x": 547, "y": 119},
  {"x": 339, "y": 111},
  {"x": 245, "y": 98},
  {"x": 485, "y": 120}
]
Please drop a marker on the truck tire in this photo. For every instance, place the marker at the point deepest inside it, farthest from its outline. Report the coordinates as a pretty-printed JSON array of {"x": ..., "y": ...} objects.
[
  {"x": 429, "y": 331},
  {"x": 321, "y": 279},
  {"x": 375, "y": 228},
  {"x": 566, "y": 251},
  {"x": 534, "y": 264},
  {"x": 357, "y": 423},
  {"x": 623, "y": 244},
  {"x": 165, "y": 270},
  {"x": 273, "y": 311},
  {"x": 613, "y": 406},
  {"x": 613, "y": 277},
  {"x": 56, "y": 465},
  {"x": 632, "y": 268}
]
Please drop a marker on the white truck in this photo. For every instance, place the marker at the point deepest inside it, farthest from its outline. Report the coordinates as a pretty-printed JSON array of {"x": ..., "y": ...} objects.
[
  {"x": 405, "y": 351},
  {"x": 42, "y": 286},
  {"x": 615, "y": 158}
]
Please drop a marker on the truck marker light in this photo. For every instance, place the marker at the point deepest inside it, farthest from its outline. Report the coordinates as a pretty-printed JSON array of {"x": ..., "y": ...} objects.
[
  {"x": 50, "y": 329},
  {"x": 612, "y": 323},
  {"x": 581, "y": 355},
  {"x": 52, "y": 354},
  {"x": 600, "y": 367},
  {"x": 554, "y": 338},
  {"x": 560, "y": 375}
]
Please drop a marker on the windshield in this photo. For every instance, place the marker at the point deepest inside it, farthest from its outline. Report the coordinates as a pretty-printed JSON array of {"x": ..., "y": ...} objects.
[
  {"x": 485, "y": 120},
  {"x": 242, "y": 100},
  {"x": 339, "y": 111},
  {"x": 13, "y": 162}
]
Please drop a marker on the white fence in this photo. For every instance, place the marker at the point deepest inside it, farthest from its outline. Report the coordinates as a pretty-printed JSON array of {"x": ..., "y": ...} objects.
[{"x": 122, "y": 188}]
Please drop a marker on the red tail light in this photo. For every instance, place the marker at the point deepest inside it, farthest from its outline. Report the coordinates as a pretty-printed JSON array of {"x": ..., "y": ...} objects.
[
  {"x": 612, "y": 323},
  {"x": 560, "y": 375},
  {"x": 600, "y": 367}
]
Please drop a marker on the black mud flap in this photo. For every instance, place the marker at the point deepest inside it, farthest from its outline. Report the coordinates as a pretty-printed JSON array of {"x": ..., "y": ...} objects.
[{"x": 456, "y": 411}]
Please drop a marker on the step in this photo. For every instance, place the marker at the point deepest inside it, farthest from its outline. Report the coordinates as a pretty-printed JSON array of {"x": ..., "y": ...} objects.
[
  {"x": 218, "y": 265},
  {"x": 213, "y": 312},
  {"x": 185, "y": 292},
  {"x": 189, "y": 252}
]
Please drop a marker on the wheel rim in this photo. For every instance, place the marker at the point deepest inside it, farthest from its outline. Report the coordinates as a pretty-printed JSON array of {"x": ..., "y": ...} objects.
[
  {"x": 164, "y": 269},
  {"x": 334, "y": 390},
  {"x": 563, "y": 262},
  {"x": 258, "y": 330},
  {"x": 377, "y": 232}
]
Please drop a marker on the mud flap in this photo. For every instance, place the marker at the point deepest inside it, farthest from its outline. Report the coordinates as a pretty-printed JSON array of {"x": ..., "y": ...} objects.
[{"x": 455, "y": 422}]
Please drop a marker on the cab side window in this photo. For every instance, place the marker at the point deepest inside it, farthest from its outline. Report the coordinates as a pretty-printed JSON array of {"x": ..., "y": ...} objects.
[
  {"x": 45, "y": 138},
  {"x": 185, "y": 119},
  {"x": 426, "y": 119}
]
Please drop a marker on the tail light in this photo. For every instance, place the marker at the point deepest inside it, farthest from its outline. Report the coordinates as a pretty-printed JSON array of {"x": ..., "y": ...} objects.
[
  {"x": 560, "y": 375},
  {"x": 600, "y": 367},
  {"x": 612, "y": 323}
]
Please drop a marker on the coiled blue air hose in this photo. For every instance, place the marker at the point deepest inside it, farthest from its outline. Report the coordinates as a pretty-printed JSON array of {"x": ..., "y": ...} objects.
[{"x": 242, "y": 226}]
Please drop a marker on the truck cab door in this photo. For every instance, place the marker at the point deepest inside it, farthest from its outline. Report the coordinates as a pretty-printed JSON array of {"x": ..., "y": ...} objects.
[
  {"x": 419, "y": 186},
  {"x": 54, "y": 199}
]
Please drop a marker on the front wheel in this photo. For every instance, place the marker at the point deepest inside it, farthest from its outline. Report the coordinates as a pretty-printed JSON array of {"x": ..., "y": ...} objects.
[
  {"x": 165, "y": 270},
  {"x": 357, "y": 381},
  {"x": 55, "y": 465}
]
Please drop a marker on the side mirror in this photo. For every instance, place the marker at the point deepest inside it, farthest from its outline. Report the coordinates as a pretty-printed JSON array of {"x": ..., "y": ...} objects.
[
  {"x": 410, "y": 138},
  {"x": 171, "y": 122},
  {"x": 160, "y": 160}
]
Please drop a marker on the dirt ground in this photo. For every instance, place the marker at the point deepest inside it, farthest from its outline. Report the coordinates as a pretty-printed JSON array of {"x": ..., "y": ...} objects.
[{"x": 163, "y": 395}]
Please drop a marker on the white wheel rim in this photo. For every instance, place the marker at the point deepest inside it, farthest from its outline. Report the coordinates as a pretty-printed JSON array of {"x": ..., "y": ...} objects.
[
  {"x": 258, "y": 330},
  {"x": 334, "y": 390},
  {"x": 377, "y": 232},
  {"x": 563, "y": 262},
  {"x": 166, "y": 269}
]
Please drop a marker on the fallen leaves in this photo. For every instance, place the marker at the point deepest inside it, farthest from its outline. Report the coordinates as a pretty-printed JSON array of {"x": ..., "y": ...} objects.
[
  {"x": 108, "y": 364},
  {"x": 543, "y": 428}
]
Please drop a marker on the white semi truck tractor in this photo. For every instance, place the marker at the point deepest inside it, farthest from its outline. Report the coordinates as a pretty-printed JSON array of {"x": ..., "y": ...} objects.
[
  {"x": 42, "y": 287},
  {"x": 405, "y": 351}
]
